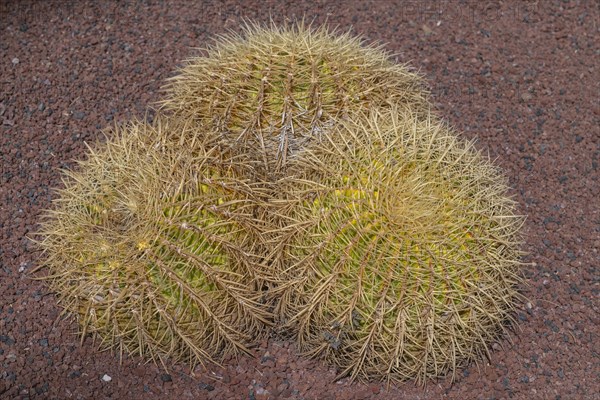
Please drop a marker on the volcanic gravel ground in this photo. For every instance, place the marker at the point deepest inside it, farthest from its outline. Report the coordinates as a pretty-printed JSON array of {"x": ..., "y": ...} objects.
[{"x": 521, "y": 77}]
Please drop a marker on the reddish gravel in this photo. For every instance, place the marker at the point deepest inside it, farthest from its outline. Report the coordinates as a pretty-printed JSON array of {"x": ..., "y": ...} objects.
[{"x": 522, "y": 78}]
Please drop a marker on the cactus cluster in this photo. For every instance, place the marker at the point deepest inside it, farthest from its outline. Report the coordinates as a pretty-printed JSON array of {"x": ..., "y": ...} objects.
[{"x": 294, "y": 182}]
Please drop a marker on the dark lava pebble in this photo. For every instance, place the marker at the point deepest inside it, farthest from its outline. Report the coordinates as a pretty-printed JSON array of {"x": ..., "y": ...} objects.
[{"x": 521, "y": 77}]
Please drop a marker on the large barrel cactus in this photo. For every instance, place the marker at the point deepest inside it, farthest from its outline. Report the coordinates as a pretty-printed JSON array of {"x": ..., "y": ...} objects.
[
  {"x": 271, "y": 90},
  {"x": 153, "y": 246},
  {"x": 405, "y": 249}
]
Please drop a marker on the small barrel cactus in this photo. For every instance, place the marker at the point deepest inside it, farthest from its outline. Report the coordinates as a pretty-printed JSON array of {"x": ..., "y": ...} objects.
[
  {"x": 151, "y": 245},
  {"x": 404, "y": 251}
]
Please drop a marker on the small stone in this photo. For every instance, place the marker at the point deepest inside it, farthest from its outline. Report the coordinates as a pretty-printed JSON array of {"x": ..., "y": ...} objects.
[
  {"x": 106, "y": 378},
  {"x": 75, "y": 374},
  {"x": 166, "y": 378},
  {"x": 15, "y": 61},
  {"x": 206, "y": 386},
  {"x": 6, "y": 339},
  {"x": 42, "y": 389},
  {"x": 282, "y": 387},
  {"x": 79, "y": 115},
  {"x": 261, "y": 391}
]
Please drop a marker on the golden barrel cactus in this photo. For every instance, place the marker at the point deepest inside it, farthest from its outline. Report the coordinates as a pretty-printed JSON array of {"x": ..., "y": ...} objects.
[
  {"x": 404, "y": 250},
  {"x": 152, "y": 243},
  {"x": 271, "y": 90}
]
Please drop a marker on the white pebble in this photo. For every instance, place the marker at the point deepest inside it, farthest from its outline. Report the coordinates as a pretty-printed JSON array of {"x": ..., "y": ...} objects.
[
  {"x": 106, "y": 378},
  {"x": 15, "y": 60}
]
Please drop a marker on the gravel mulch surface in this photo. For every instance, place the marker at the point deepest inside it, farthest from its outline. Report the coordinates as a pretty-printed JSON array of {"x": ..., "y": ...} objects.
[{"x": 521, "y": 77}]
